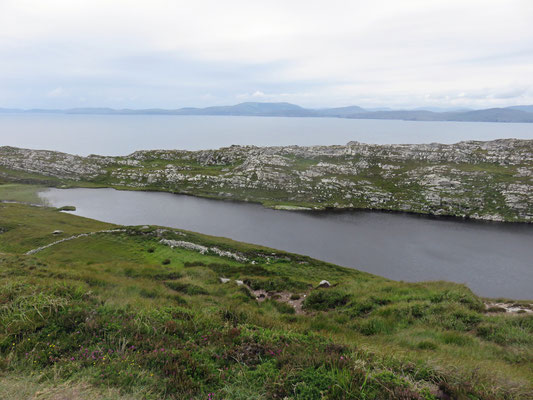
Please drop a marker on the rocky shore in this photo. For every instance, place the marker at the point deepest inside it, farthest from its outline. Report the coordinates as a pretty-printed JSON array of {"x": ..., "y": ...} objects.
[{"x": 481, "y": 180}]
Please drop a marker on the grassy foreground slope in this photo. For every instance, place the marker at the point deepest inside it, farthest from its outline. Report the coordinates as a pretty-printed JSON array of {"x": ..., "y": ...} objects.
[{"x": 123, "y": 314}]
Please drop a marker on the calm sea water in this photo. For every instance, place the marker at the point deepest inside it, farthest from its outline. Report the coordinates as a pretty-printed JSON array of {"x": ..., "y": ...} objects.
[
  {"x": 123, "y": 134},
  {"x": 493, "y": 259}
]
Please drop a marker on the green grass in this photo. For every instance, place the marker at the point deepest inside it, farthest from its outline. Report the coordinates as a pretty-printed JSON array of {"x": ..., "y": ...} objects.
[
  {"x": 104, "y": 317},
  {"x": 25, "y": 228},
  {"x": 21, "y": 192}
]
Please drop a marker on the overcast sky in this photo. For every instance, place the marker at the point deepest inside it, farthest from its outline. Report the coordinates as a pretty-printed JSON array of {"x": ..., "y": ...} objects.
[{"x": 170, "y": 54}]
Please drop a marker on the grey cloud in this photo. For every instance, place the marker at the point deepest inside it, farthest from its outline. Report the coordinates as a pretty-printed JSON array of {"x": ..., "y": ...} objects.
[{"x": 161, "y": 55}]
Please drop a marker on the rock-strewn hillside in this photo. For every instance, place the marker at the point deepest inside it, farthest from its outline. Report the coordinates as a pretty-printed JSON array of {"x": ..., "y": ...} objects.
[{"x": 484, "y": 180}]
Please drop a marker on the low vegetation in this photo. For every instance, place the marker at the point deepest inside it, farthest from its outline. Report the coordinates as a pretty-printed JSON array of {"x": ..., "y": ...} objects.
[{"x": 123, "y": 315}]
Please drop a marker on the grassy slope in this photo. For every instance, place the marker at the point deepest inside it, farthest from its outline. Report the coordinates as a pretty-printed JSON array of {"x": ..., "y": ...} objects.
[
  {"x": 103, "y": 315},
  {"x": 20, "y": 192}
]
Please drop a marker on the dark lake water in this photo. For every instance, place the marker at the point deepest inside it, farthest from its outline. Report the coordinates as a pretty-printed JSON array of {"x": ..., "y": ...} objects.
[
  {"x": 124, "y": 134},
  {"x": 494, "y": 259}
]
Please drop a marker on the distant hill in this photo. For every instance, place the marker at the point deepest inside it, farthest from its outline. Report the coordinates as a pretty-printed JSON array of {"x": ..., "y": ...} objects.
[
  {"x": 509, "y": 114},
  {"x": 521, "y": 108},
  {"x": 340, "y": 111},
  {"x": 406, "y": 115},
  {"x": 379, "y": 109},
  {"x": 440, "y": 109},
  {"x": 492, "y": 115},
  {"x": 251, "y": 109},
  {"x": 488, "y": 115}
]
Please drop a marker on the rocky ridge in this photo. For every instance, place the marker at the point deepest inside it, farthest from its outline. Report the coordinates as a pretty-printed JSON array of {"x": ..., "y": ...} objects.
[{"x": 484, "y": 180}]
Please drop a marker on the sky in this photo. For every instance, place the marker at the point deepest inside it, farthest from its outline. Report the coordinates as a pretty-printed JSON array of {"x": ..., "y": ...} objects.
[{"x": 171, "y": 54}]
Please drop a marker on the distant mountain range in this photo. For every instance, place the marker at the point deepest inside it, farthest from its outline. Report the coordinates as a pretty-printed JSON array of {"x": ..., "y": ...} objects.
[{"x": 508, "y": 114}]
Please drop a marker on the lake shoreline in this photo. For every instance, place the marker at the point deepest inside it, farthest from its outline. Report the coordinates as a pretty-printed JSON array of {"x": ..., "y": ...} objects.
[
  {"x": 498, "y": 300},
  {"x": 303, "y": 209},
  {"x": 395, "y": 245}
]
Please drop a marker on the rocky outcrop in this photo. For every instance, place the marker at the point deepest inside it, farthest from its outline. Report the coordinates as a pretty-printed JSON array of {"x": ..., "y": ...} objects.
[
  {"x": 203, "y": 249},
  {"x": 51, "y": 163},
  {"x": 485, "y": 180}
]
